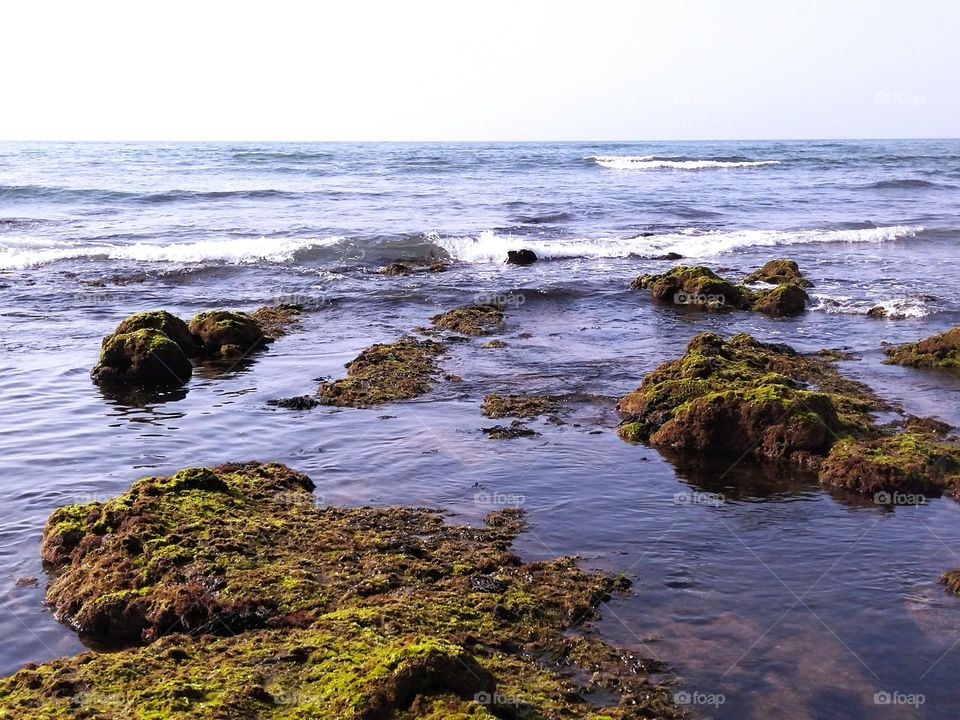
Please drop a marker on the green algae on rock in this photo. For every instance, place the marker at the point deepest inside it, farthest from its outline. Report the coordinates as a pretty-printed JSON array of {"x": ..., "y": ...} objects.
[
  {"x": 385, "y": 372},
  {"x": 515, "y": 405},
  {"x": 742, "y": 397},
  {"x": 778, "y": 272},
  {"x": 476, "y": 319},
  {"x": 277, "y": 320},
  {"x": 141, "y": 357},
  {"x": 701, "y": 287},
  {"x": 228, "y": 333},
  {"x": 938, "y": 351},
  {"x": 260, "y": 604},
  {"x": 167, "y": 323}
]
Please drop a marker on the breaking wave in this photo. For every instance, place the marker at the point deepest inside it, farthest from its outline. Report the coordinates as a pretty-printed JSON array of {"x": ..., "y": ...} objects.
[{"x": 651, "y": 162}]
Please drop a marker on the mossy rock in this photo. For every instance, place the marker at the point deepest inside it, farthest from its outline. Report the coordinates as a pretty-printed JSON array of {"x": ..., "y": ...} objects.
[
  {"x": 696, "y": 286},
  {"x": 778, "y": 272},
  {"x": 747, "y": 399},
  {"x": 384, "y": 373},
  {"x": 515, "y": 405},
  {"x": 478, "y": 319},
  {"x": 782, "y": 301},
  {"x": 145, "y": 357},
  {"x": 257, "y": 603},
  {"x": 938, "y": 351},
  {"x": 277, "y": 320},
  {"x": 167, "y": 323},
  {"x": 919, "y": 459},
  {"x": 226, "y": 332}
]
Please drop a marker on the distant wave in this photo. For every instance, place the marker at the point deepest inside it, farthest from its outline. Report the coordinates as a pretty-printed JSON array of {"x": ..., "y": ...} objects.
[
  {"x": 489, "y": 246},
  {"x": 906, "y": 183},
  {"x": 65, "y": 194},
  {"x": 651, "y": 162},
  {"x": 16, "y": 253}
]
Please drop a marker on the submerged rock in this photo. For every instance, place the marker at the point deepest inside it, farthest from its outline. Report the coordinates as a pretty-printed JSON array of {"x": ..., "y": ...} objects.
[
  {"x": 746, "y": 398},
  {"x": 277, "y": 320},
  {"x": 521, "y": 257},
  {"x": 701, "y": 287},
  {"x": 514, "y": 405},
  {"x": 226, "y": 332},
  {"x": 141, "y": 357},
  {"x": 383, "y": 373},
  {"x": 514, "y": 430},
  {"x": 478, "y": 319},
  {"x": 257, "y": 603},
  {"x": 938, "y": 351},
  {"x": 777, "y": 272},
  {"x": 299, "y": 402}
]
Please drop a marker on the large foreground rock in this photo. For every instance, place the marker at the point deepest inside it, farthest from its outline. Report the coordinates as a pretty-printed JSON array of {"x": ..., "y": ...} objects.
[{"x": 255, "y": 603}]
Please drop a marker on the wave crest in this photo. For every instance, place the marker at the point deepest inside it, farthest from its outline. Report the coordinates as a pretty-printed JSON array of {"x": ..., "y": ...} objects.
[{"x": 651, "y": 162}]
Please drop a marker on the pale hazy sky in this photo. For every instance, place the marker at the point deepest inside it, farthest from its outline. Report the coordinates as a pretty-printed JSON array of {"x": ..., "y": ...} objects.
[{"x": 491, "y": 70}]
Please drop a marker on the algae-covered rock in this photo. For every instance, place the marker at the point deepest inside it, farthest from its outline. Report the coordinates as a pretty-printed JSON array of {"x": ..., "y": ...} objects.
[
  {"x": 744, "y": 398},
  {"x": 694, "y": 285},
  {"x": 226, "y": 332},
  {"x": 938, "y": 351},
  {"x": 167, "y": 323},
  {"x": 515, "y": 405},
  {"x": 777, "y": 272},
  {"x": 383, "y": 373},
  {"x": 257, "y": 603},
  {"x": 141, "y": 357},
  {"x": 478, "y": 319},
  {"x": 781, "y": 301},
  {"x": 277, "y": 320},
  {"x": 521, "y": 257},
  {"x": 701, "y": 287}
]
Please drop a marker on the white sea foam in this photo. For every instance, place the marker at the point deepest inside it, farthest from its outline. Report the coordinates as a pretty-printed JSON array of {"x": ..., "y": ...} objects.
[
  {"x": 895, "y": 308},
  {"x": 649, "y": 162},
  {"x": 489, "y": 246},
  {"x": 23, "y": 252}
]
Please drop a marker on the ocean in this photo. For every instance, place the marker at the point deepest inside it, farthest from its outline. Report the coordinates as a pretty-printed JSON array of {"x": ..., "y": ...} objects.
[{"x": 776, "y": 594}]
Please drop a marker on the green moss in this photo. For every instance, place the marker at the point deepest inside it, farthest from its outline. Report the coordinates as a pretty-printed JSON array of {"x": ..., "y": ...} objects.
[
  {"x": 385, "y": 373},
  {"x": 516, "y": 405},
  {"x": 777, "y": 272},
  {"x": 295, "y": 610},
  {"x": 939, "y": 351},
  {"x": 695, "y": 285},
  {"x": 471, "y": 319}
]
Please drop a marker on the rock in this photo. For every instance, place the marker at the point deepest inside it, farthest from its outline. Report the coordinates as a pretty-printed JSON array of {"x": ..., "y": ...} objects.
[
  {"x": 783, "y": 300},
  {"x": 743, "y": 397},
  {"x": 478, "y": 319},
  {"x": 300, "y": 402},
  {"x": 697, "y": 286},
  {"x": 514, "y": 405},
  {"x": 493, "y": 345},
  {"x": 396, "y": 268},
  {"x": 938, "y": 351},
  {"x": 229, "y": 333},
  {"x": 384, "y": 373},
  {"x": 167, "y": 323},
  {"x": 254, "y": 602},
  {"x": 877, "y": 311},
  {"x": 669, "y": 255},
  {"x": 277, "y": 320},
  {"x": 521, "y": 257},
  {"x": 777, "y": 272},
  {"x": 141, "y": 357},
  {"x": 514, "y": 430}
]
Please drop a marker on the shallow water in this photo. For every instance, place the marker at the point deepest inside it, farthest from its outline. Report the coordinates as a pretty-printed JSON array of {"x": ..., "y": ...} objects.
[{"x": 780, "y": 597}]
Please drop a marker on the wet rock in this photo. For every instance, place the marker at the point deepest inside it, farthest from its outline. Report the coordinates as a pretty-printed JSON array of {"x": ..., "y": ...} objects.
[
  {"x": 255, "y": 602},
  {"x": 938, "y": 351},
  {"x": 300, "y": 402},
  {"x": 784, "y": 300},
  {"x": 384, "y": 373},
  {"x": 228, "y": 333},
  {"x": 493, "y": 345},
  {"x": 515, "y": 405},
  {"x": 396, "y": 268},
  {"x": 521, "y": 257},
  {"x": 478, "y": 319},
  {"x": 697, "y": 286},
  {"x": 141, "y": 358},
  {"x": 167, "y": 323},
  {"x": 669, "y": 255},
  {"x": 777, "y": 272},
  {"x": 514, "y": 430},
  {"x": 746, "y": 398},
  {"x": 877, "y": 311},
  {"x": 277, "y": 320}
]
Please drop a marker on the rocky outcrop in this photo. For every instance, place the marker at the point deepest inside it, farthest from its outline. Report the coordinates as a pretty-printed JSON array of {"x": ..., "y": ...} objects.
[
  {"x": 521, "y": 257},
  {"x": 938, "y": 351},
  {"x": 477, "y": 319},
  {"x": 778, "y": 272},
  {"x": 141, "y": 357}
]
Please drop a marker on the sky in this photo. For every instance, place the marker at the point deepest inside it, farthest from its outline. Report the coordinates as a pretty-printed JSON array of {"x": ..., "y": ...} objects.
[{"x": 492, "y": 70}]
